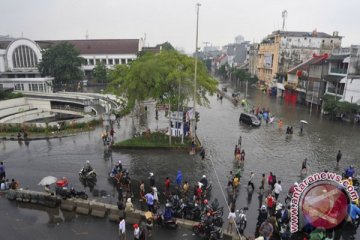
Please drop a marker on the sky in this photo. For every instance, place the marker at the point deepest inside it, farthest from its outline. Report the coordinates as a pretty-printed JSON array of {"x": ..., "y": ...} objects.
[{"x": 220, "y": 21}]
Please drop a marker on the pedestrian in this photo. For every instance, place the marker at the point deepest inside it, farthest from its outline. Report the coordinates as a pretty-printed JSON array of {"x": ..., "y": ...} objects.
[
  {"x": 142, "y": 190},
  {"x": 271, "y": 179},
  {"x": 280, "y": 124},
  {"x": 231, "y": 220},
  {"x": 156, "y": 114},
  {"x": 236, "y": 146},
  {"x": 242, "y": 157},
  {"x": 277, "y": 189},
  {"x": 250, "y": 183},
  {"x": 129, "y": 207},
  {"x": 230, "y": 178},
  {"x": 301, "y": 128},
  {"x": 152, "y": 180},
  {"x": 112, "y": 131},
  {"x": 150, "y": 201},
  {"x": 179, "y": 178},
  {"x": 58, "y": 126},
  {"x": 122, "y": 229},
  {"x": 261, "y": 196},
  {"x": 167, "y": 186},
  {"x": 193, "y": 146},
  {"x": 304, "y": 167},
  {"x": 236, "y": 183},
  {"x": 2, "y": 171},
  {"x": 266, "y": 229},
  {"x": 240, "y": 141},
  {"x": 338, "y": 157},
  {"x": 186, "y": 187},
  {"x": 202, "y": 153},
  {"x": 271, "y": 204},
  {"x": 156, "y": 197},
  {"x": 238, "y": 154},
  {"x": 262, "y": 183},
  {"x": 149, "y": 226},
  {"x": 136, "y": 232}
]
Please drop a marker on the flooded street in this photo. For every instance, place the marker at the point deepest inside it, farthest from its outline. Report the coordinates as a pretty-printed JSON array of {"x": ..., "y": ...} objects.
[{"x": 267, "y": 149}]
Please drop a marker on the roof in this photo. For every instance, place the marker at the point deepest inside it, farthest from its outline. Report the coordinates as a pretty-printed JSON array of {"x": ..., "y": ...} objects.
[
  {"x": 99, "y": 46},
  {"x": 304, "y": 34},
  {"x": 316, "y": 59}
]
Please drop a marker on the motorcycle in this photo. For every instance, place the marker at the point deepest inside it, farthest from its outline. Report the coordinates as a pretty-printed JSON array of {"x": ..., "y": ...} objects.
[
  {"x": 216, "y": 233},
  {"x": 85, "y": 174},
  {"x": 170, "y": 223},
  {"x": 78, "y": 194}
]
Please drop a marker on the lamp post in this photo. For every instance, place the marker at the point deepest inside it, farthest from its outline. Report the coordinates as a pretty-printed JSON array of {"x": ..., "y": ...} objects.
[{"x": 195, "y": 74}]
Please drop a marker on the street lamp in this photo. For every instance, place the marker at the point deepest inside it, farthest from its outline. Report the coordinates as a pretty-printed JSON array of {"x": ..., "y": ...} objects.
[{"x": 195, "y": 74}]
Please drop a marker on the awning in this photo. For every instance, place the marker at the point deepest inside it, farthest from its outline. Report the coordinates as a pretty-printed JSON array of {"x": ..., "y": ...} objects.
[
  {"x": 343, "y": 80},
  {"x": 346, "y": 60},
  {"x": 280, "y": 86}
]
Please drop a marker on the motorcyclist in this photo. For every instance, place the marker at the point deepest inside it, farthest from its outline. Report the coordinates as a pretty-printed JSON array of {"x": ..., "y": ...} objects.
[
  {"x": 204, "y": 181},
  {"x": 168, "y": 214},
  {"x": 349, "y": 172},
  {"x": 87, "y": 167},
  {"x": 119, "y": 166},
  {"x": 263, "y": 215},
  {"x": 292, "y": 188},
  {"x": 241, "y": 221},
  {"x": 215, "y": 204}
]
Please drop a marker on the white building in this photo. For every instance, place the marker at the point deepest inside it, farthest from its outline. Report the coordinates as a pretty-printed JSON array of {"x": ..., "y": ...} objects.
[
  {"x": 110, "y": 52},
  {"x": 18, "y": 66},
  {"x": 352, "y": 81}
]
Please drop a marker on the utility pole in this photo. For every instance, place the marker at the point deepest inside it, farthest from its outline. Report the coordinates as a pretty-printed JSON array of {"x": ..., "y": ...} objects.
[
  {"x": 284, "y": 16},
  {"x": 195, "y": 74}
]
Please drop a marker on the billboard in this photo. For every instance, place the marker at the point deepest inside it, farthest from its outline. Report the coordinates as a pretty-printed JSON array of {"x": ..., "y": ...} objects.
[{"x": 268, "y": 58}]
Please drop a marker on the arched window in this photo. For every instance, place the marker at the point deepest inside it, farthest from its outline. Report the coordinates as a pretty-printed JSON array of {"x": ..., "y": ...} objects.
[{"x": 24, "y": 57}]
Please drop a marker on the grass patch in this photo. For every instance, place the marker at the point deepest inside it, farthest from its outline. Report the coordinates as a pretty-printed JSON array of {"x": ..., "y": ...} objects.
[{"x": 154, "y": 140}]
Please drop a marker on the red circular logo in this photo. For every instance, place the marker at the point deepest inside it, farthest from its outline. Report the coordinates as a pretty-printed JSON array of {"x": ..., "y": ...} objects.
[{"x": 325, "y": 205}]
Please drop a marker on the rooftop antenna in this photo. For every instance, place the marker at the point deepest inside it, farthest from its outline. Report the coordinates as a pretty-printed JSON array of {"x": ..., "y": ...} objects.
[
  {"x": 284, "y": 15},
  {"x": 87, "y": 35}
]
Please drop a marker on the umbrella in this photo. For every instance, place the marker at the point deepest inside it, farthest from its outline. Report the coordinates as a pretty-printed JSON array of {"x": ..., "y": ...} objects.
[
  {"x": 47, "y": 180},
  {"x": 303, "y": 121}
]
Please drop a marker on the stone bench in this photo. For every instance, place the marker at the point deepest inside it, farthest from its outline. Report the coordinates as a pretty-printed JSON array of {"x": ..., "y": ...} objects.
[
  {"x": 82, "y": 206},
  {"x": 98, "y": 209},
  {"x": 67, "y": 205}
]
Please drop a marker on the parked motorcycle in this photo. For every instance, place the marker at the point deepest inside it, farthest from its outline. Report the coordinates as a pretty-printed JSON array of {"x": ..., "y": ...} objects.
[
  {"x": 241, "y": 220},
  {"x": 78, "y": 194},
  {"x": 170, "y": 223}
]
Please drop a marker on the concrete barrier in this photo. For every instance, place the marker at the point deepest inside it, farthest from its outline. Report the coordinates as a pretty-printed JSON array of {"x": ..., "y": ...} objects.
[
  {"x": 115, "y": 213},
  {"x": 67, "y": 205},
  {"x": 133, "y": 217},
  {"x": 82, "y": 206},
  {"x": 98, "y": 209}
]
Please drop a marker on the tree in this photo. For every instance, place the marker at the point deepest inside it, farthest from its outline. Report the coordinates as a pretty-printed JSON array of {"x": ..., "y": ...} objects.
[
  {"x": 166, "y": 77},
  {"x": 166, "y": 46},
  {"x": 100, "y": 72},
  {"x": 62, "y": 62}
]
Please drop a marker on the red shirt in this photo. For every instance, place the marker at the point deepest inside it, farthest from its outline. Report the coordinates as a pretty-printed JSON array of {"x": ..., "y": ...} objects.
[
  {"x": 167, "y": 183},
  {"x": 198, "y": 192}
]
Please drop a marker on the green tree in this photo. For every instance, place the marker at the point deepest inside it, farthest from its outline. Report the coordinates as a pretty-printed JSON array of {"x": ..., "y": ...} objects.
[
  {"x": 100, "y": 72},
  {"x": 165, "y": 77},
  {"x": 62, "y": 62},
  {"x": 166, "y": 46}
]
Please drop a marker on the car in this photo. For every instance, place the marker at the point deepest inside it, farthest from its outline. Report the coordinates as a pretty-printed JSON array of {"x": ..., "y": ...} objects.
[{"x": 249, "y": 119}]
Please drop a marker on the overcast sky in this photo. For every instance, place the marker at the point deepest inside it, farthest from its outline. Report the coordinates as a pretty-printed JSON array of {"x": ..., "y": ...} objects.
[{"x": 175, "y": 20}]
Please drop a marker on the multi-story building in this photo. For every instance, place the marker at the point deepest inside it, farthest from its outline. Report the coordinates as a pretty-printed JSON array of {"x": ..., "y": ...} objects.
[
  {"x": 283, "y": 50},
  {"x": 352, "y": 81},
  {"x": 253, "y": 58},
  {"x": 19, "y": 58}
]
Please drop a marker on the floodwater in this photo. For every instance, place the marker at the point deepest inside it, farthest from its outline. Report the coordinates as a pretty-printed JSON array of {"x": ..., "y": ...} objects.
[{"x": 267, "y": 149}]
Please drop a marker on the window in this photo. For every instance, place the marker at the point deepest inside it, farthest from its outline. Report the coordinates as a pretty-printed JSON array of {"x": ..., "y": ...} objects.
[
  {"x": 129, "y": 60},
  {"x": 17, "y": 86},
  {"x": 103, "y": 61},
  {"x": 34, "y": 87},
  {"x": 41, "y": 87},
  {"x": 24, "y": 57},
  {"x": 117, "y": 61},
  {"x": 110, "y": 61},
  {"x": 91, "y": 62},
  {"x": 331, "y": 41},
  {"x": 309, "y": 40},
  {"x": 30, "y": 87},
  {"x": 323, "y": 41},
  {"x": 97, "y": 61},
  {"x": 123, "y": 61}
]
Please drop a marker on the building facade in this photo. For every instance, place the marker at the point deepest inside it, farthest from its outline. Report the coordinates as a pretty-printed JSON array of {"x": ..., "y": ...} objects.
[
  {"x": 283, "y": 50},
  {"x": 19, "y": 59}
]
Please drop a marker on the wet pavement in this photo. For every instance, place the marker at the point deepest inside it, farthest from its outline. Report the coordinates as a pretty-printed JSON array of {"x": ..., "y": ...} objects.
[{"x": 267, "y": 149}]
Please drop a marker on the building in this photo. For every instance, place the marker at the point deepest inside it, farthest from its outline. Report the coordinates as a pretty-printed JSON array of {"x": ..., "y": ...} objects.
[
  {"x": 253, "y": 58},
  {"x": 283, "y": 50},
  {"x": 305, "y": 82},
  {"x": 107, "y": 51},
  {"x": 351, "y": 91},
  {"x": 19, "y": 58},
  {"x": 237, "y": 53}
]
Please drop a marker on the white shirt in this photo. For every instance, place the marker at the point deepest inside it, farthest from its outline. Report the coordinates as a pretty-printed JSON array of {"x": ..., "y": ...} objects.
[
  {"x": 231, "y": 216},
  {"x": 137, "y": 233},
  {"x": 277, "y": 188},
  {"x": 122, "y": 226}
]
